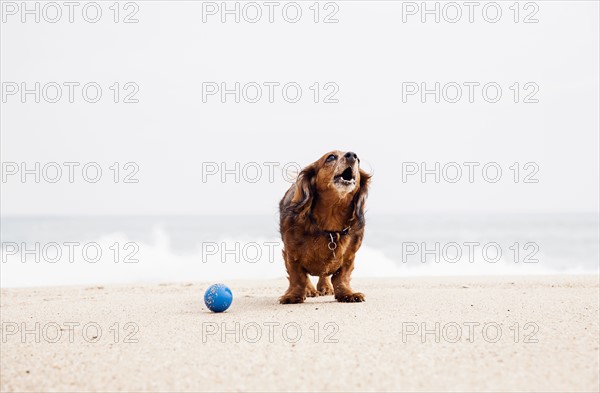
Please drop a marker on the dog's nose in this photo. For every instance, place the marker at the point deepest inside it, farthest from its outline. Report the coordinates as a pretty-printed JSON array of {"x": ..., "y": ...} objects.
[{"x": 350, "y": 156}]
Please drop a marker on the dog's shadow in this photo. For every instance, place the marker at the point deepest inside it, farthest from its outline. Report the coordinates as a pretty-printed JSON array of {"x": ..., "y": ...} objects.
[{"x": 249, "y": 304}]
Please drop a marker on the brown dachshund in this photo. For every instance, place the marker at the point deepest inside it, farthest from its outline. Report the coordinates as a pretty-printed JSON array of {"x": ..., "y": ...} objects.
[{"x": 322, "y": 223}]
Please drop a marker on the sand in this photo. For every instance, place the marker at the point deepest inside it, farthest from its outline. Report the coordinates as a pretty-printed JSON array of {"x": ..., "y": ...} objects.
[{"x": 498, "y": 334}]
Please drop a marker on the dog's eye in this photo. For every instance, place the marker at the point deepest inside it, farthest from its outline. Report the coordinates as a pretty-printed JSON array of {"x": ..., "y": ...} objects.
[{"x": 331, "y": 157}]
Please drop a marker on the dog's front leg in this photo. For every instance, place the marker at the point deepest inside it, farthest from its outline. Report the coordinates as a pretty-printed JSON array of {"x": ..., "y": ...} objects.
[
  {"x": 341, "y": 284},
  {"x": 296, "y": 293}
]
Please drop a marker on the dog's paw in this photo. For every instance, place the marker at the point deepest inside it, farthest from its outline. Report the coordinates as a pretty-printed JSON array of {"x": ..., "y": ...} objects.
[
  {"x": 311, "y": 292},
  {"x": 325, "y": 291},
  {"x": 356, "y": 297},
  {"x": 291, "y": 299}
]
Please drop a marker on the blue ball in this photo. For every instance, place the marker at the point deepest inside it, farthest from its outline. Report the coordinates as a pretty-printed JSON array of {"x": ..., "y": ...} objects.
[{"x": 218, "y": 297}]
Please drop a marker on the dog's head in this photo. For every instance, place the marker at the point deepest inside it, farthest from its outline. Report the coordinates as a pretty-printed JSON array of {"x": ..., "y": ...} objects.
[
  {"x": 336, "y": 178},
  {"x": 338, "y": 174}
]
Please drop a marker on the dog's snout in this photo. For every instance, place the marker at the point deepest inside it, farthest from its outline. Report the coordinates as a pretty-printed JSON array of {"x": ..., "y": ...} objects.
[{"x": 351, "y": 156}]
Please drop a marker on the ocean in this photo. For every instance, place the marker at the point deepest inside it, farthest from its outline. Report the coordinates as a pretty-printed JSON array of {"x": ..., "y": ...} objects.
[{"x": 94, "y": 250}]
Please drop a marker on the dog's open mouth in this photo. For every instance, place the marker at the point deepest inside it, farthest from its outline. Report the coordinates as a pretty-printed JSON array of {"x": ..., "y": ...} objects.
[{"x": 345, "y": 178}]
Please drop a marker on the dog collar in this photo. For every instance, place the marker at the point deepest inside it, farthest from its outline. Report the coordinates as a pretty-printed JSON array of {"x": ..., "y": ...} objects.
[
  {"x": 334, "y": 236},
  {"x": 332, "y": 245},
  {"x": 343, "y": 232}
]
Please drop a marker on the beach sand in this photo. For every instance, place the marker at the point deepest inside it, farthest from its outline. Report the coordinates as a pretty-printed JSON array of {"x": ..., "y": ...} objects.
[{"x": 412, "y": 334}]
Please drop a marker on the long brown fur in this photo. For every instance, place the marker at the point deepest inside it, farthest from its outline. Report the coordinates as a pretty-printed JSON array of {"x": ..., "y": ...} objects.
[{"x": 318, "y": 206}]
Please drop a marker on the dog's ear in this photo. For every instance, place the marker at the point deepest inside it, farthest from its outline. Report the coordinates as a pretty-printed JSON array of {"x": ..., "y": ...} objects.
[
  {"x": 305, "y": 190},
  {"x": 361, "y": 197}
]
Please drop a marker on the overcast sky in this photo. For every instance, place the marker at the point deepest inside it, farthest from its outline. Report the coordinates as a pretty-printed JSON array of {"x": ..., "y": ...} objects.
[{"x": 172, "y": 136}]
